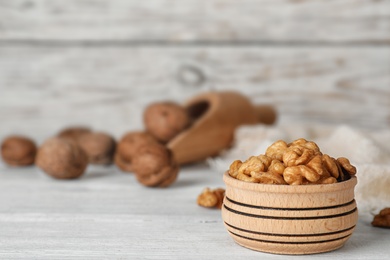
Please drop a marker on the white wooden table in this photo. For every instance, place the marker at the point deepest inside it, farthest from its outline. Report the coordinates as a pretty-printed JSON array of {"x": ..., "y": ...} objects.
[{"x": 107, "y": 214}]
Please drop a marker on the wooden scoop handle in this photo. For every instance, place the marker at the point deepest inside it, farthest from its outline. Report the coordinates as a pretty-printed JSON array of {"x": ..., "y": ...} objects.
[{"x": 265, "y": 114}]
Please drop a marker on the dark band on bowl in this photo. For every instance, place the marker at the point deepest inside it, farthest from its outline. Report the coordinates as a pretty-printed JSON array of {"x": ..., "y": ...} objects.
[
  {"x": 290, "y": 242},
  {"x": 290, "y": 218},
  {"x": 292, "y": 209},
  {"x": 290, "y": 235}
]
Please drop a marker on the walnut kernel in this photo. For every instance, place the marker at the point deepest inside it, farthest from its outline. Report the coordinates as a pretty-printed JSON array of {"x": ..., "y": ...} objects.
[
  {"x": 330, "y": 165},
  {"x": 276, "y": 150},
  {"x": 382, "y": 219},
  {"x": 346, "y": 165},
  {"x": 254, "y": 164},
  {"x": 233, "y": 169},
  {"x": 261, "y": 169},
  {"x": 276, "y": 167},
  {"x": 300, "y": 174},
  {"x": 211, "y": 198}
]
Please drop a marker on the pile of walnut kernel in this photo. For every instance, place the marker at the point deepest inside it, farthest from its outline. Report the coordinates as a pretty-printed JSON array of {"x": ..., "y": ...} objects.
[{"x": 298, "y": 163}]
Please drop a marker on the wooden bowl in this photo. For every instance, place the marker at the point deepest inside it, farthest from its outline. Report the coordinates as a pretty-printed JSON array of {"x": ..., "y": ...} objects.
[{"x": 284, "y": 219}]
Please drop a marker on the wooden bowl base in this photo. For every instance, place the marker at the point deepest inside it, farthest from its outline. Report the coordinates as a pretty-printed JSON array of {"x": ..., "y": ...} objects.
[{"x": 289, "y": 249}]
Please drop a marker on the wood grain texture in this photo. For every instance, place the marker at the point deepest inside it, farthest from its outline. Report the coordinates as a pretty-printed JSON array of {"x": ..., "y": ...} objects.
[
  {"x": 108, "y": 88},
  {"x": 268, "y": 21},
  {"x": 107, "y": 214},
  {"x": 216, "y": 117},
  {"x": 283, "y": 219}
]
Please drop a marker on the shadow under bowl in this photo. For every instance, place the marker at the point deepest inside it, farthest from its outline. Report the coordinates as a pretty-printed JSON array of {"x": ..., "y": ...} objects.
[{"x": 285, "y": 219}]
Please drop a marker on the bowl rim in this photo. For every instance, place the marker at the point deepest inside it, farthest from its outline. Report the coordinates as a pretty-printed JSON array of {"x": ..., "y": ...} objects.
[{"x": 275, "y": 188}]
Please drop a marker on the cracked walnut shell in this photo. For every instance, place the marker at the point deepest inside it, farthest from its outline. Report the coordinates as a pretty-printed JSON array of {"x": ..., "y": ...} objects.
[
  {"x": 18, "y": 151},
  {"x": 154, "y": 166},
  {"x": 61, "y": 158}
]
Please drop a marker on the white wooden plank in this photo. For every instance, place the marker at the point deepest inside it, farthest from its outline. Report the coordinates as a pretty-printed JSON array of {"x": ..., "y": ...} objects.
[
  {"x": 45, "y": 89},
  {"x": 194, "y": 20}
]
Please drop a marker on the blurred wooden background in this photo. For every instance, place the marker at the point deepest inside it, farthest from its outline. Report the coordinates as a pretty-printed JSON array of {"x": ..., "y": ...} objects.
[{"x": 99, "y": 62}]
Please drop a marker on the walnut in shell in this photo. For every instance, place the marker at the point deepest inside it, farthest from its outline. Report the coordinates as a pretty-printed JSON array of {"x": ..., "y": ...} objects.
[
  {"x": 61, "y": 158},
  {"x": 99, "y": 147},
  {"x": 154, "y": 166},
  {"x": 74, "y": 132},
  {"x": 18, "y": 151},
  {"x": 165, "y": 120},
  {"x": 128, "y": 146}
]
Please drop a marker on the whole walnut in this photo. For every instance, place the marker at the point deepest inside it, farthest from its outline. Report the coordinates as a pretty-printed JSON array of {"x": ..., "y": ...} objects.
[
  {"x": 165, "y": 120},
  {"x": 61, "y": 158},
  {"x": 99, "y": 147},
  {"x": 128, "y": 146},
  {"x": 74, "y": 132},
  {"x": 154, "y": 166},
  {"x": 18, "y": 151}
]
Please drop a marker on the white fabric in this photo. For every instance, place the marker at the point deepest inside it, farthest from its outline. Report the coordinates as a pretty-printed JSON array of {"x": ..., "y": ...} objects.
[{"x": 367, "y": 150}]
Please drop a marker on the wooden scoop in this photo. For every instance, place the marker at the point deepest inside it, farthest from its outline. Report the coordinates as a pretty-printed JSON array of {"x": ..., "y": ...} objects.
[{"x": 215, "y": 116}]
